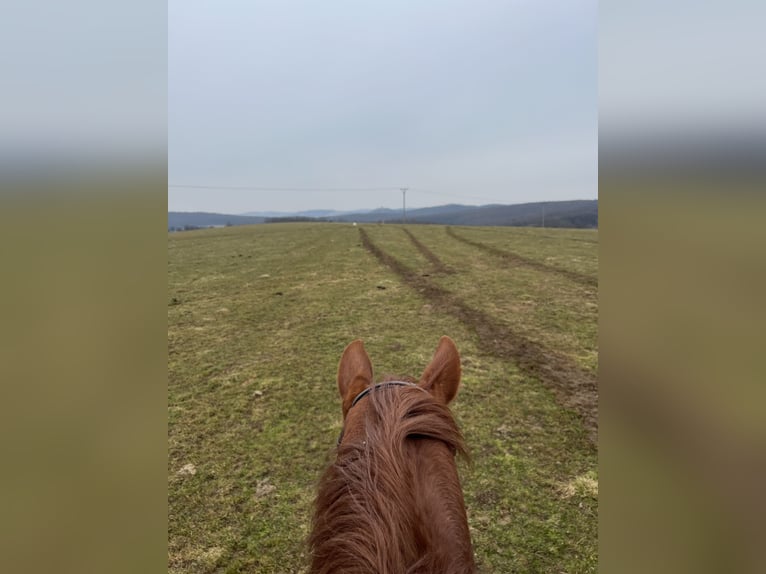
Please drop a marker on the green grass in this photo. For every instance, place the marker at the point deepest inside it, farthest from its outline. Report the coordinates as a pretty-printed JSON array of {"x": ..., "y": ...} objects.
[{"x": 257, "y": 319}]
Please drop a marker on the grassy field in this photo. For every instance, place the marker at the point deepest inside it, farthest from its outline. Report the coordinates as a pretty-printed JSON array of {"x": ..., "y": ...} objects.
[{"x": 257, "y": 319}]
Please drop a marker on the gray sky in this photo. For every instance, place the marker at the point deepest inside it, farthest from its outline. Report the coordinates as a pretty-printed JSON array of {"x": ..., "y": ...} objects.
[
  {"x": 462, "y": 101},
  {"x": 84, "y": 86}
]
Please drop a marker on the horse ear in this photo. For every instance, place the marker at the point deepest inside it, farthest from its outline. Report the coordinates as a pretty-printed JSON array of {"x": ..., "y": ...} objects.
[
  {"x": 442, "y": 375},
  {"x": 354, "y": 373}
]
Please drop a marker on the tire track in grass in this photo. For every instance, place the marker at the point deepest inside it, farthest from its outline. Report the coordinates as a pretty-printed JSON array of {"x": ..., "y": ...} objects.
[
  {"x": 437, "y": 263},
  {"x": 511, "y": 257},
  {"x": 574, "y": 387}
]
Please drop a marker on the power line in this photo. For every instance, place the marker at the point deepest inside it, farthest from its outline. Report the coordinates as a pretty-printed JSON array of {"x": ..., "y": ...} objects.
[
  {"x": 262, "y": 188},
  {"x": 328, "y": 189},
  {"x": 459, "y": 196}
]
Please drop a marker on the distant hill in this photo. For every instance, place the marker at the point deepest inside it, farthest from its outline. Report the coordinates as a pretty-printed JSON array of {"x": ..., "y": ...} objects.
[
  {"x": 421, "y": 215},
  {"x": 318, "y": 213},
  {"x": 178, "y": 220},
  {"x": 578, "y": 213}
]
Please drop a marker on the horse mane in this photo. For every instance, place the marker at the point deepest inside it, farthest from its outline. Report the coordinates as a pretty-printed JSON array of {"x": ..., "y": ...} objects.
[{"x": 370, "y": 518}]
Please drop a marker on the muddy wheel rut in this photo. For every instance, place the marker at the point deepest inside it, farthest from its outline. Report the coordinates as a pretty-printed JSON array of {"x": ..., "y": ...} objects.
[
  {"x": 515, "y": 258},
  {"x": 574, "y": 387},
  {"x": 438, "y": 264}
]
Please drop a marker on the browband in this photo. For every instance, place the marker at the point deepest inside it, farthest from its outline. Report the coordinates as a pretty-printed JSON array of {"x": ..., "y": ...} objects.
[{"x": 366, "y": 391}]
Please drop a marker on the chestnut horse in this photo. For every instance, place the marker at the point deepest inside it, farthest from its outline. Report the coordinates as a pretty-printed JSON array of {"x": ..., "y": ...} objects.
[{"x": 391, "y": 503}]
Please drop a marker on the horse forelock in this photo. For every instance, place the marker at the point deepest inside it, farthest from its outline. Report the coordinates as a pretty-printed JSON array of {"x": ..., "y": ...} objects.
[{"x": 371, "y": 514}]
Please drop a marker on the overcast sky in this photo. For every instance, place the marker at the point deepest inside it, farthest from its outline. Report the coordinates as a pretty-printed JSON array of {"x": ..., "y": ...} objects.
[{"x": 462, "y": 101}]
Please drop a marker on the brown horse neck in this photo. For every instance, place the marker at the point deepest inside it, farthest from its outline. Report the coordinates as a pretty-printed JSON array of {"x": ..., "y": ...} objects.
[{"x": 392, "y": 502}]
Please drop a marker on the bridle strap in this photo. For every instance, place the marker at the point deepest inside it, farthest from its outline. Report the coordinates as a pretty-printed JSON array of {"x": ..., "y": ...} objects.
[{"x": 367, "y": 391}]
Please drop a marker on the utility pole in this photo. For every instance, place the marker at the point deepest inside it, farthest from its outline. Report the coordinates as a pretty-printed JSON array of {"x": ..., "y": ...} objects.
[
  {"x": 543, "y": 214},
  {"x": 404, "y": 203}
]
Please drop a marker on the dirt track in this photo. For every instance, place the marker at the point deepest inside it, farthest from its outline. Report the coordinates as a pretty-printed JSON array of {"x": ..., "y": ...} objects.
[
  {"x": 574, "y": 387},
  {"x": 439, "y": 266}
]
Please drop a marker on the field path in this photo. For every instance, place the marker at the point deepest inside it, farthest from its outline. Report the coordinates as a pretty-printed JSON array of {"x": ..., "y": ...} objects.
[
  {"x": 438, "y": 264},
  {"x": 574, "y": 387}
]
